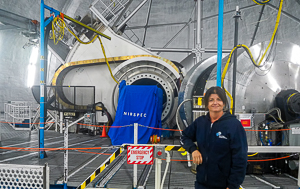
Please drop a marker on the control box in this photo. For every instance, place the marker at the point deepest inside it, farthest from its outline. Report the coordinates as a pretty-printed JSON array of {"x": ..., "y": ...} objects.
[
  {"x": 89, "y": 118},
  {"x": 159, "y": 152}
]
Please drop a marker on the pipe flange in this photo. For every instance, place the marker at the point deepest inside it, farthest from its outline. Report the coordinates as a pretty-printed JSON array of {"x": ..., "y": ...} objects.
[{"x": 160, "y": 72}]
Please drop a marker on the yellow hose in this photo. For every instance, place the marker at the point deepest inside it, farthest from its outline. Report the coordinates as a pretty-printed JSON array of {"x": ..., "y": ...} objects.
[
  {"x": 252, "y": 154},
  {"x": 80, "y": 41},
  {"x": 264, "y": 2},
  {"x": 60, "y": 23},
  {"x": 223, "y": 77},
  {"x": 274, "y": 32},
  {"x": 60, "y": 31},
  {"x": 106, "y": 60}
]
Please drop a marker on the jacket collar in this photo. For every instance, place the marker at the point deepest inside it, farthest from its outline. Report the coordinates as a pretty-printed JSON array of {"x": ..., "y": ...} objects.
[{"x": 226, "y": 115}]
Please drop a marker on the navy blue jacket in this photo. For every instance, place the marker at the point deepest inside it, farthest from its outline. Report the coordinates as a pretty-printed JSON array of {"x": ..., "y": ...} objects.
[{"x": 223, "y": 146}]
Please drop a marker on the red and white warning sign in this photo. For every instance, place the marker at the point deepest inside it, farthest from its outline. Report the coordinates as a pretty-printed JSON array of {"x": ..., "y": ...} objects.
[{"x": 140, "y": 155}]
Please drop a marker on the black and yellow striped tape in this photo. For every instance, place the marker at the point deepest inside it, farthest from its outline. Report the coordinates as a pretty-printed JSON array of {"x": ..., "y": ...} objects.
[
  {"x": 174, "y": 148},
  {"x": 100, "y": 168},
  {"x": 168, "y": 148}
]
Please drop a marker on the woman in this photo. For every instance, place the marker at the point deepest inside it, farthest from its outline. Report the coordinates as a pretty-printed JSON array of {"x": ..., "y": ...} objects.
[{"x": 221, "y": 154}]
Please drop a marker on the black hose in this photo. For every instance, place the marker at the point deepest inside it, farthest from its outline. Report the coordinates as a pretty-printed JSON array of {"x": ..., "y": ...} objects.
[{"x": 104, "y": 109}]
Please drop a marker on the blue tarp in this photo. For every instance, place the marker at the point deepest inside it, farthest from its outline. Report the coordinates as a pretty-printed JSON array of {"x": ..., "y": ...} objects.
[{"x": 140, "y": 104}]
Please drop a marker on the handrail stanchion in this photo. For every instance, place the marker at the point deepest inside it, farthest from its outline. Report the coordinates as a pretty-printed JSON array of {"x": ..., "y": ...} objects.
[
  {"x": 61, "y": 116},
  {"x": 66, "y": 145},
  {"x": 135, "y": 165},
  {"x": 299, "y": 173}
]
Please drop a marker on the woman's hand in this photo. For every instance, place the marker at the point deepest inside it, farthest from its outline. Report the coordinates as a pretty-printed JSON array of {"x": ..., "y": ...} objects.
[{"x": 197, "y": 157}]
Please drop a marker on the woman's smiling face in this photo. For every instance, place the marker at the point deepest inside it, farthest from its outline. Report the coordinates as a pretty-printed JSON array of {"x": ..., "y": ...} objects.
[{"x": 215, "y": 104}]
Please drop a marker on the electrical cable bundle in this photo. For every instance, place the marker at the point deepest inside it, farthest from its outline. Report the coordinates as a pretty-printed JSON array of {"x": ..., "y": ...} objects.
[
  {"x": 271, "y": 53},
  {"x": 58, "y": 25}
]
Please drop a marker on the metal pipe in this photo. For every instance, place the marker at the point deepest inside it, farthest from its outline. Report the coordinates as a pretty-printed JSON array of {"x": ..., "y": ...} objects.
[
  {"x": 199, "y": 31},
  {"x": 285, "y": 13},
  {"x": 13, "y": 20},
  {"x": 131, "y": 15},
  {"x": 198, "y": 21},
  {"x": 201, "y": 24},
  {"x": 168, "y": 160},
  {"x": 186, "y": 50},
  {"x": 177, "y": 115},
  {"x": 237, "y": 16},
  {"x": 155, "y": 25},
  {"x": 195, "y": 36},
  {"x": 135, "y": 138},
  {"x": 66, "y": 153},
  {"x": 42, "y": 83},
  {"x": 73, "y": 123},
  {"x": 158, "y": 163},
  {"x": 87, "y": 27},
  {"x": 147, "y": 21},
  {"x": 56, "y": 122},
  {"x": 210, "y": 50},
  {"x": 75, "y": 21},
  {"x": 188, "y": 36},
  {"x": 220, "y": 38},
  {"x": 257, "y": 25},
  {"x": 183, "y": 50},
  {"x": 122, "y": 13},
  {"x": 298, "y": 174},
  {"x": 273, "y": 149},
  {"x": 182, "y": 23},
  {"x": 61, "y": 117}
]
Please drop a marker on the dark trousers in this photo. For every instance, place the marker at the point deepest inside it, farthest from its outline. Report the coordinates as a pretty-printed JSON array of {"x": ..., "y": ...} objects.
[{"x": 201, "y": 186}]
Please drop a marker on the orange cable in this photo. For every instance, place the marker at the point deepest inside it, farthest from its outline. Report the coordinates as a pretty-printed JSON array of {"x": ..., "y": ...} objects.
[
  {"x": 123, "y": 126},
  {"x": 147, "y": 127},
  {"x": 47, "y": 149},
  {"x": 269, "y": 130},
  {"x": 255, "y": 160},
  {"x": 81, "y": 150}
]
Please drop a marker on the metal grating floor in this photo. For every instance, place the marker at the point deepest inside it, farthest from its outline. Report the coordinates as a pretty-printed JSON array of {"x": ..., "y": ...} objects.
[
  {"x": 179, "y": 175},
  {"x": 280, "y": 180},
  {"x": 54, "y": 158},
  {"x": 7, "y": 132}
]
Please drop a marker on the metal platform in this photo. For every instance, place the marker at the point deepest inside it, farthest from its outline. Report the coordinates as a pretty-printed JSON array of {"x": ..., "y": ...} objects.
[{"x": 118, "y": 174}]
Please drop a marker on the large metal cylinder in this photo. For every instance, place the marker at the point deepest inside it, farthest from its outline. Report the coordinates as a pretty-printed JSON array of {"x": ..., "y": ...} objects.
[{"x": 256, "y": 88}]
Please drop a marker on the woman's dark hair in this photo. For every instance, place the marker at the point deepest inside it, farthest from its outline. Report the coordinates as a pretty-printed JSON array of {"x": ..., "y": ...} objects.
[{"x": 215, "y": 90}]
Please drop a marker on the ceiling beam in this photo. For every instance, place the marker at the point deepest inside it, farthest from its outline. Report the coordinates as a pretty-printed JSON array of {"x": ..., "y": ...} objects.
[
  {"x": 284, "y": 13},
  {"x": 257, "y": 25},
  {"x": 7, "y": 27},
  {"x": 183, "y": 23},
  {"x": 12, "y": 19}
]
